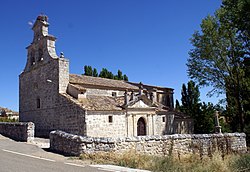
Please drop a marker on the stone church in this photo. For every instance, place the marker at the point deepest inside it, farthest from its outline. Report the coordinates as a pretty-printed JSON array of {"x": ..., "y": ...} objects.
[{"x": 54, "y": 99}]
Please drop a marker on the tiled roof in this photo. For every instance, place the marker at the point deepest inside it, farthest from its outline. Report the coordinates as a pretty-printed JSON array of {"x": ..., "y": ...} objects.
[
  {"x": 101, "y": 103},
  {"x": 78, "y": 87},
  {"x": 101, "y": 82},
  {"x": 98, "y": 103}
]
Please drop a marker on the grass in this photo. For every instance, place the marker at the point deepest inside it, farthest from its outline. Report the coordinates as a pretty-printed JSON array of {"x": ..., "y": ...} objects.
[{"x": 193, "y": 163}]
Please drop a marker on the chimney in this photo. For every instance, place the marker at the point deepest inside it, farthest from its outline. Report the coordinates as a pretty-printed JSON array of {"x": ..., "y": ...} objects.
[
  {"x": 140, "y": 88},
  {"x": 126, "y": 97},
  {"x": 154, "y": 95},
  {"x": 132, "y": 96}
]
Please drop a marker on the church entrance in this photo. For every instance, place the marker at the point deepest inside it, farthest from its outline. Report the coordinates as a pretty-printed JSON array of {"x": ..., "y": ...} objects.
[{"x": 141, "y": 127}]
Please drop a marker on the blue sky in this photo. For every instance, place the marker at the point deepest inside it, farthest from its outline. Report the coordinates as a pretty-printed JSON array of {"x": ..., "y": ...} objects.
[{"x": 146, "y": 39}]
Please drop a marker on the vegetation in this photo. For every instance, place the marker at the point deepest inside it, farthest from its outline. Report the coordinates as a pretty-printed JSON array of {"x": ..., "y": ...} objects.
[
  {"x": 220, "y": 58},
  {"x": 193, "y": 163},
  {"x": 105, "y": 73},
  {"x": 202, "y": 113}
]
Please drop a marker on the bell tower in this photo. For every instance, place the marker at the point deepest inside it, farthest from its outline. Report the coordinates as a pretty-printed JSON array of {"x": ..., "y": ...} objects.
[
  {"x": 42, "y": 47},
  {"x": 44, "y": 78}
]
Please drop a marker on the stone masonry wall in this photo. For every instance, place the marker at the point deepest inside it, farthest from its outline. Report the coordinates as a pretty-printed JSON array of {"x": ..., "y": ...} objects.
[
  {"x": 100, "y": 126},
  {"x": 20, "y": 131},
  {"x": 55, "y": 111},
  {"x": 177, "y": 144}
]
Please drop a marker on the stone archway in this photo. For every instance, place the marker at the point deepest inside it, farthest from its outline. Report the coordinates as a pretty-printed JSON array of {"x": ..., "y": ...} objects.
[{"x": 141, "y": 127}]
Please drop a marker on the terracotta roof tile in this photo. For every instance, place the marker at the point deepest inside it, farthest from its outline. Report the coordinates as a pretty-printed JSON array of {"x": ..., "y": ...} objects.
[
  {"x": 101, "y": 103},
  {"x": 101, "y": 82}
]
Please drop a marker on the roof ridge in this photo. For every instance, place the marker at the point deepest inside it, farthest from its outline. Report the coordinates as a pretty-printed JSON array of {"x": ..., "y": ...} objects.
[{"x": 82, "y": 75}]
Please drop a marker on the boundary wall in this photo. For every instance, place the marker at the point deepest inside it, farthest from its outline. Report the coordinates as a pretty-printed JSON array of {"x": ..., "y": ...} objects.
[
  {"x": 19, "y": 131},
  {"x": 177, "y": 144}
]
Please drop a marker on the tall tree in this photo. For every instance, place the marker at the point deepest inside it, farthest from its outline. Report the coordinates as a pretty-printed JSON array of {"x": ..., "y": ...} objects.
[
  {"x": 95, "y": 73},
  {"x": 88, "y": 70},
  {"x": 105, "y": 73},
  {"x": 217, "y": 60},
  {"x": 177, "y": 106},
  {"x": 190, "y": 97},
  {"x": 119, "y": 75},
  {"x": 125, "y": 77},
  {"x": 202, "y": 113}
]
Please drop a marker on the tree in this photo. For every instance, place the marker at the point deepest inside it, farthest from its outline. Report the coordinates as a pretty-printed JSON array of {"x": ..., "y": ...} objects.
[
  {"x": 217, "y": 60},
  {"x": 125, "y": 78},
  {"x": 190, "y": 98},
  {"x": 95, "y": 73},
  {"x": 177, "y": 106},
  {"x": 105, "y": 73},
  {"x": 88, "y": 70},
  {"x": 202, "y": 113},
  {"x": 237, "y": 11},
  {"x": 119, "y": 75}
]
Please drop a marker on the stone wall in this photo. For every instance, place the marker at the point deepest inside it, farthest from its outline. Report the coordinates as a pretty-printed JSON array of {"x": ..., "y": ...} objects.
[
  {"x": 100, "y": 126},
  {"x": 55, "y": 110},
  {"x": 177, "y": 144},
  {"x": 20, "y": 131},
  {"x": 103, "y": 92}
]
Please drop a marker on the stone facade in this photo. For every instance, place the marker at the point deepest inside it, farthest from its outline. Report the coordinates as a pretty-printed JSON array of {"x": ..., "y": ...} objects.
[
  {"x": 176, "y": 145},
  {"x": 90, "y": 106},
  {"x": 20, "y": 131}
]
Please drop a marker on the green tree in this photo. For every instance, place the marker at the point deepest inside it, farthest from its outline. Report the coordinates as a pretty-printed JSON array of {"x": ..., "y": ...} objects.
[
  {"x": 238, "y": 13},
  {"x": 95, "y": 73},
  {"x": 119, "y": 75},
  {"x": 105, "y": 73},
  {"x": 190, "y": 97},
  {"x": 202, "y": 113},
  {"x": 177, "y": 106},
  {"x": 88, "y": 70},
  {"x": 125, "y": 77},
  {"x": 217, "y": 60}
]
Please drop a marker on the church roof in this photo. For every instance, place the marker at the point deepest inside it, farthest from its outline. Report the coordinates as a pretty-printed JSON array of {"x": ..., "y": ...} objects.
[
  {"x": 102, "y": 103},
  {"x": 100, "y": 82},
  {"x": 98, "y": 103}
]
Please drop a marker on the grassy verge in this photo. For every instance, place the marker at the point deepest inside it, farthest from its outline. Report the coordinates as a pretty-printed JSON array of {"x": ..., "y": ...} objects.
[{"x": 193, "y": 163}]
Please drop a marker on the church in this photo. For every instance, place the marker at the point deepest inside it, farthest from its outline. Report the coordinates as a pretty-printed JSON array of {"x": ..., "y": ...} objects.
[{"x": 54, "y": 99}]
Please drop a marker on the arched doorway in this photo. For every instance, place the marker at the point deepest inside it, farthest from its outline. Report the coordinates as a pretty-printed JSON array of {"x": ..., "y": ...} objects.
[{"x": 141, "y": 127}]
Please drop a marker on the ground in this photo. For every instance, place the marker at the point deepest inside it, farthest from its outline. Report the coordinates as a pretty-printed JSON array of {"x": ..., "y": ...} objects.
[{"x": 24, "y": 157}]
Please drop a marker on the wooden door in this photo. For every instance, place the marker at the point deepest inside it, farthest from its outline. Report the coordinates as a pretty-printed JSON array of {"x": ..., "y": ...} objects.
[{"x": 141, "y": 127}]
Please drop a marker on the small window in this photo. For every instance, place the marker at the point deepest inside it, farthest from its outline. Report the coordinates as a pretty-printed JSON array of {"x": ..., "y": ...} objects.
[
  {"x": 110, "y": 119},
  {"x": 163, "y": 119},
  {"x": 38, "y": 103},
  {"x": 113, "y": 94}
]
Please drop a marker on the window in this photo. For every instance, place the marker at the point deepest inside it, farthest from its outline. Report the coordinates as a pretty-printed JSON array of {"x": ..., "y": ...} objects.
[
  {"x": 110, "y": 119},
  {"x": 38, "y": 103},
  {"x": 113, "y": 94},
  {"x": 40, "y": 52},
  {"x": 163, "y": 119}
]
